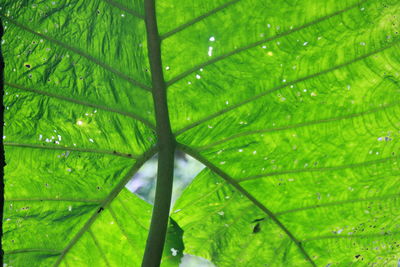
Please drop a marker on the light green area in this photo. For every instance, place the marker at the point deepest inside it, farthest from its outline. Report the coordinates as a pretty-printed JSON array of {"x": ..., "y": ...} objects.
[{"x": 291, "y": 105}]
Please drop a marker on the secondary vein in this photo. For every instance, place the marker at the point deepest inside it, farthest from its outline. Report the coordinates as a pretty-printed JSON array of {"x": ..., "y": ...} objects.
[
  {"x": 241, "y": 49},
  {"x": 298, "y": 125},
  {"x": 238, "y": 187},
  {"x": 199, "y": 18},
  {"x": 126, "y": 9},
  {"x": 79, "y": 52},
  {"x": 256, "y": 97},
  {"x": 88, "y": 150},
  {"x": 322, "y": 169},
  {"x": 83, "y": 103},
  {"x": 105, "y": 203}
]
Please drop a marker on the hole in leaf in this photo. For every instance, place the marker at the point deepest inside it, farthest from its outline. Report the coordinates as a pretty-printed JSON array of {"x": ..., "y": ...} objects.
[{"x": 143, "y": 183}]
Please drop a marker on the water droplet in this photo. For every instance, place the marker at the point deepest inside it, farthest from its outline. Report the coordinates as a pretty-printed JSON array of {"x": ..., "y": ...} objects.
[
  {"x": 174, "y": 252},
  {"x": 210, "y": 49}
]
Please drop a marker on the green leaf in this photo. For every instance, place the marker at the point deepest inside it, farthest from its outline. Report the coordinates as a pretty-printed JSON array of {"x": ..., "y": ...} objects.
[
  {"x": 291, "y": 105},
  {"x": 301, "y": 138},
  {"x": 174, "y": 247}
]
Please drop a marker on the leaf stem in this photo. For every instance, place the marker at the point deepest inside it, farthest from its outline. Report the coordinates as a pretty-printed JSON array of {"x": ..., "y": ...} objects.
[{"x": 166, "y": 144}]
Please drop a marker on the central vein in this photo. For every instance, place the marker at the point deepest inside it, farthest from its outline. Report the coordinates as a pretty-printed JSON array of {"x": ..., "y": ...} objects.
[{"x": 165, "y": 142}]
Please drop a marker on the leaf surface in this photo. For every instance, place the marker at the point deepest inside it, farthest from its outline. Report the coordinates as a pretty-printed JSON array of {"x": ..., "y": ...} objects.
[
  {"x": 296, "y": 116},
  {"x": 291, "y": 105},
  {"x": 76, "y": 132}
]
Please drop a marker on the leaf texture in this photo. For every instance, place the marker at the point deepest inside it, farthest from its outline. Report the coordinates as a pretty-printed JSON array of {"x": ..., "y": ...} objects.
[
  {"x": 291, "y": 105},
  {"x": 301, "y": 136},
  {"x": 78, "y": 126}
]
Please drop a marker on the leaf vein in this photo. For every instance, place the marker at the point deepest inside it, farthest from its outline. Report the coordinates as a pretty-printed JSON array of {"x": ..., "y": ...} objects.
[
  {"x": 79, "y": 52},
  {"x": 256, "y": 97},
  {"x": 53, "y": 199},
  {"x": 199, "y": 18},
  {"x": 83, "y": 103},
  {"x": 241, "y": 49},
  {"x": 147, "y": 155},
  {"x": 126, "y": 9},
  {"x": 337, "y": 203},
  {"x": 85, "y": 150},
  {"x": 299, "y": 125},
  {"x": 322, "y": 169},
  {"x": 96, "y": 242},
  {"x": 31, "y": 250},
  {"x": 243, "y": 191}
]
